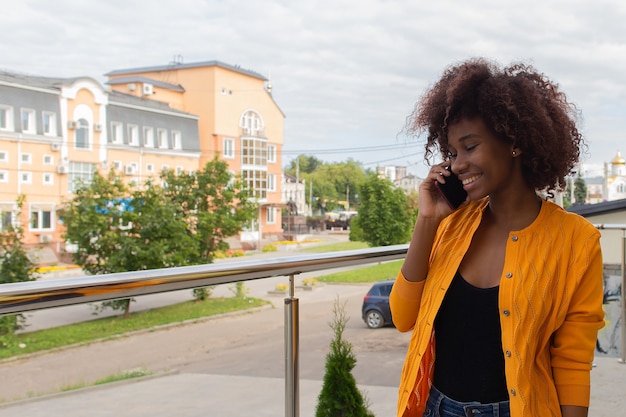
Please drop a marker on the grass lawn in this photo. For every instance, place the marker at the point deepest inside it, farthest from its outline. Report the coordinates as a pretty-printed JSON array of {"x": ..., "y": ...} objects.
[
  {"x": 372, "y": 273},
  {"x": 109, "y": 327},
  {"x": 336, "y": 247},
  {"x": 369, "y": 273}
]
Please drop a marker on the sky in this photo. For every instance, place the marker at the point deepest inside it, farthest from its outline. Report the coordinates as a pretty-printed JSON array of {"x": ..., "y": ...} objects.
[{"x": 346, "y": 73}]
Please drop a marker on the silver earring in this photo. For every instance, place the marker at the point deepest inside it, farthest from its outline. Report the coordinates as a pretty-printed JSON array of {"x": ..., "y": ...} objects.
[{"x": 514, "y": 153}]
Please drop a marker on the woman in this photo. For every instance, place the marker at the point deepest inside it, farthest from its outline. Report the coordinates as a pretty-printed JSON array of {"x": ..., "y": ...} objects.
[{"x": 503, "y": 294}]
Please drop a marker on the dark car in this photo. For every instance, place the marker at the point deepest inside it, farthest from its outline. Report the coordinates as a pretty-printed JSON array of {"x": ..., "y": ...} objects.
[{"x": 375, "y": 310}]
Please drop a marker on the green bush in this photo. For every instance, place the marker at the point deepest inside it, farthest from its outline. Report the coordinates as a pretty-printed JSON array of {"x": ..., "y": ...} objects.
[
  {"x": 340, "y": 396},
  {"x": 269, "y": 248}
]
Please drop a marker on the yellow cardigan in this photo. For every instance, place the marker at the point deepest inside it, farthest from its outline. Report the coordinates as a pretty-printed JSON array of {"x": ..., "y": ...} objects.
[{"x": 550, "y": 301}]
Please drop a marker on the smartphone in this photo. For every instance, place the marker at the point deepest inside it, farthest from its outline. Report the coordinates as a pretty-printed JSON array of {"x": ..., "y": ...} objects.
[{"x": 452, "y": 191}]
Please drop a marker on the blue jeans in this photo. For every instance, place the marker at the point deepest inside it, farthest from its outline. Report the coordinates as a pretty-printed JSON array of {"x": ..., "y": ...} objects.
[{"x": 438, "y": 405}]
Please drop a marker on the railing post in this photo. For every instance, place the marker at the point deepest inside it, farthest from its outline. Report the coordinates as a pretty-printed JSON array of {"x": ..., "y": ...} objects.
[
  {"x": 292, "y": 368},
  {"x": 623, "y": 301}
]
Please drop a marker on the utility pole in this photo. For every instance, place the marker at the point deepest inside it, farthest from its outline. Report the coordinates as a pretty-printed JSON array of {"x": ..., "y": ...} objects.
[
  {"x": 311, "y": 196},
  {"x": 297, "y": 182}
]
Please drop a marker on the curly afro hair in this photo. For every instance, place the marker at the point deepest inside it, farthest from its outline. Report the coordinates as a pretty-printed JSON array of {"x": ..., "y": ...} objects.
[{"x": 520, "y": 105}]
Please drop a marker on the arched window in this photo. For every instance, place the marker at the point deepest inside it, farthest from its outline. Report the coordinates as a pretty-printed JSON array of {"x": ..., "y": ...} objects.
[
  {"x": 82, "y": 134},
  {"x": 252, "y": 124}
]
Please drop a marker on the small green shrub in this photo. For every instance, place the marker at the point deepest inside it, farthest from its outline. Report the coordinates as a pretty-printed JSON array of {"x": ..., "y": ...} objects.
[
  {"x": 269, "y": 248},
  {"x": 340, "y": 396}
]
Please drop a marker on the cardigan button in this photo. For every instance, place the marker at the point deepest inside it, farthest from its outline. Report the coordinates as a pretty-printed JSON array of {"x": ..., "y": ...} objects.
[
  {"x": 514, "y": 238},
  {"x": 509, "y": 275},
  {"x": 506, "y": 313},
  {"x": 513, "y": 393},
  {"x": 508, "y": 353}
]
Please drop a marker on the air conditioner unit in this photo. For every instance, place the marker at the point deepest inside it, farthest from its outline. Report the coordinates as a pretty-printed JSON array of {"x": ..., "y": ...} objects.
[
  {"x": 71, "y": 124},
  {"x": 63, "y": 169},
  {"x": 147, "y": 89},
  {"x": 45, "y": 238},
  {"x": 55, "y": 147},
  {"x": 97, "y": 127},
  {"x": 129, "y": 170}
]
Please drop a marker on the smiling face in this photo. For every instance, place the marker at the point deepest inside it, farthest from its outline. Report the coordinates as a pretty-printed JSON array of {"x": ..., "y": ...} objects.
[{"x": 484, "y": 163}]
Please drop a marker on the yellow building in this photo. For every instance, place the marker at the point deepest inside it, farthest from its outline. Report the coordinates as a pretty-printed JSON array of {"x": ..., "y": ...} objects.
[
  {"x": 55, "y": 133},
  {"x": 238, "y": 120}
]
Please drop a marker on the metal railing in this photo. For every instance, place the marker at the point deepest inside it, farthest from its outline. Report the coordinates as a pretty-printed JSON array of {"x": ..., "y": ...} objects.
[
  {"x": 622, "y": 228},
  {"x": 27, "y": 296}
]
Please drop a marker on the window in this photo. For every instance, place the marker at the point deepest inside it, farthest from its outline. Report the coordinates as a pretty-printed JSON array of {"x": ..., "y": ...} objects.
[
  {"x": 271, "y": 153},
  {"x": 4, "y": 176},
  {"x": 180, "y": 170},
  {"x": 271, "y": 182},
  {"x": 117, "y": 134},
  {"x": 26, "y": 158},
  {"x": 26, "y": 177},
  {"x": 28, "y": 121},
  {"x": 148, "y": 137},
  {"x": 4, "y": 156},
  {"x": 229, "y": 148},
  {"x": 177, "y": 140},
  {"x": 81, "y": 173},
  {"x": 40, "y": 217},
  {"x": 82, "y": 134},
  {"x": 252, "y": 124},
  {"x": 48, "y": 179},
  {"x": 48, "y": 160},
  {"x": 162, "y": 136},
  {"x": 49, "y": 123},
  {"x": 133, "y": 135},
  {"x": 254, "y": 152},
  {"x": 150, "y": 168},
  {"x": 256, "y": 181},
  {"x": 117, "y": 165},
  {"x": 6, "y": 117},
  {"x": 7, "y": 219},
  {"x": 271, "y": 215}
]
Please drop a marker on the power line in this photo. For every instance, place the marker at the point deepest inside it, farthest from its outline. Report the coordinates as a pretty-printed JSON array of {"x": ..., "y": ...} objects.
[
  {"x": 392, "y": 159},
  {"x": 341, "y": 150}
]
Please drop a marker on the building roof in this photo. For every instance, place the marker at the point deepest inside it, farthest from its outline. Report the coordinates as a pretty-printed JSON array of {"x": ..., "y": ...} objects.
[
  {"x": 176, "y": 65},
  {"x": 605, "y": 207},
  {"x": 36, "y": 80},
  {"x": 140, "y": 79},
  {"x": 115, "y": 97}
]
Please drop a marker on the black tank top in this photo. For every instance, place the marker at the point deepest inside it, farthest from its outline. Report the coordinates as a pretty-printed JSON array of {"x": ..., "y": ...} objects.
[{"x": 469, "y": 364}]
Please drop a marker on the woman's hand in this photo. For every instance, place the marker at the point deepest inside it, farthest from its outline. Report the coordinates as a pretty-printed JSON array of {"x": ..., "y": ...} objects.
[{"x": 430, "y": 202}]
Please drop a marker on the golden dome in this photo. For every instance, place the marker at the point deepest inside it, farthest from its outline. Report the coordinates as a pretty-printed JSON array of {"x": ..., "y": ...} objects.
[{"x": 618, "y": 160}]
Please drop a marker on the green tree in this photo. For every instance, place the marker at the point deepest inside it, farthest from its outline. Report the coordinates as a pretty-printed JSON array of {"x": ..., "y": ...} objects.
[
  {"x": 580, "y": 190},
  {"x": 15, "y": 266},
  {"x": 340, "y": 397},
  {"x": 384, "y": 214},
  {"x": 213, "y": 203},
  {"x": 118, "y": 229},
  {"x": 356, "y": 233},
  {"x": 306, "y": 163},
  {"x": 332, "y": 185}
]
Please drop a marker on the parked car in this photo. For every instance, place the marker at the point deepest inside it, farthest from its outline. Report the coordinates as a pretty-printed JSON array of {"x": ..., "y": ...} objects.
[{"x": 375, "y": 311}]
